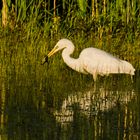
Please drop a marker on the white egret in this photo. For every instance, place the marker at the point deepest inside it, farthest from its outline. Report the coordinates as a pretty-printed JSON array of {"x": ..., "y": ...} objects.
[{"x": 91, "y": 60}]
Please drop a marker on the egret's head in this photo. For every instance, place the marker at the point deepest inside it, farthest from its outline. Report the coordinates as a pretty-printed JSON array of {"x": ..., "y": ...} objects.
[{"x": 61, "y": 44}]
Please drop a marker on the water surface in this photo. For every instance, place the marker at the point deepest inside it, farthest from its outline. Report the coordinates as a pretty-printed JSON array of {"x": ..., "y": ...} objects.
[{"x": 54, "y": 102}]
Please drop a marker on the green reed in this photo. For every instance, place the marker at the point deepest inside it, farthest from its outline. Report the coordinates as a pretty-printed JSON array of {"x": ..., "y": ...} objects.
[{"x": 25, "y": 84}]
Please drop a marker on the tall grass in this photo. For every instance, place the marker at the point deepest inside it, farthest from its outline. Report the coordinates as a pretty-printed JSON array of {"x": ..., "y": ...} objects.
[
  {"x": 125, "y": 11},
  {"x": 109, "y": 25},
  {"x": 31, "y": 29}
]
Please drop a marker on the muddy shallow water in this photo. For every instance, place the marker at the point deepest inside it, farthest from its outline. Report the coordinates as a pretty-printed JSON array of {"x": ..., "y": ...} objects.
[{"x": 41, "y": 103}]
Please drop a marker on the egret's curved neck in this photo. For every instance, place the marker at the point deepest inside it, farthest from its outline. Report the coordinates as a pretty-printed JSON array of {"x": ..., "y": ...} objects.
[{"x": 71, "y": 62}]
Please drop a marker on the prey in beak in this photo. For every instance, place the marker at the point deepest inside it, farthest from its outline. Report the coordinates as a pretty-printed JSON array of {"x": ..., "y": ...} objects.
[
  {"x": 53, "y": 51},
  {"x": 45, "y": 60}
]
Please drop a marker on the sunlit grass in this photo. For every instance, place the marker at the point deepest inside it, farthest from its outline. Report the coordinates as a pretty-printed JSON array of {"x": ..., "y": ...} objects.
[{"x": 27, "y": 87}]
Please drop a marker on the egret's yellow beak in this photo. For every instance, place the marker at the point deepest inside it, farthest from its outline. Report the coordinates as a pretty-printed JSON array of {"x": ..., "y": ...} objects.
[{"x": 53, "y": 51}]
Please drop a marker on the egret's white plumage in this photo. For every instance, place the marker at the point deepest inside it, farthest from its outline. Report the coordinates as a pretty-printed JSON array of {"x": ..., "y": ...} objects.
[{"x": 92, "y": 60}]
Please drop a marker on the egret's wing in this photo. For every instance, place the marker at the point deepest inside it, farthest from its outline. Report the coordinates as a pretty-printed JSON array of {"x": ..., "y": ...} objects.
[{"x": 100, "y": 62}]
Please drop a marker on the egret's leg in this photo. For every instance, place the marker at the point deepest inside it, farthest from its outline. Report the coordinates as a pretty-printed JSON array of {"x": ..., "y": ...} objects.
[
  {"x": 94, "y": 76},
  {"x": 132, "y": 78},
  {"x": 95, "y": 82}
]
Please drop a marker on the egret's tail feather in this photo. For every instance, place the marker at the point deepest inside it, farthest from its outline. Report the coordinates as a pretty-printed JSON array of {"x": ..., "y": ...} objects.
[{"x": 119, "y": 67}]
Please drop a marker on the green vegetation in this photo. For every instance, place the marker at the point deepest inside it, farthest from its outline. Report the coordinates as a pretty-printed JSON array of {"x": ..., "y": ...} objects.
[
  {"x": 113, "y": 26},
  {"x": 29, "y": 29}
]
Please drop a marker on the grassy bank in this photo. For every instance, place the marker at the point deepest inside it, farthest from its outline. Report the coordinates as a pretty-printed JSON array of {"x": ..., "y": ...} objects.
[
  {"x": 34, "y": 27},
  {"x": 22, "y": 49},
  {"x": 36, "y": 41}
]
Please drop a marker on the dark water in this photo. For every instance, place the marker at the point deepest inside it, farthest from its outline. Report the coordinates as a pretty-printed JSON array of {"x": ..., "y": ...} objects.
[{"x": 37, "y": 104}]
